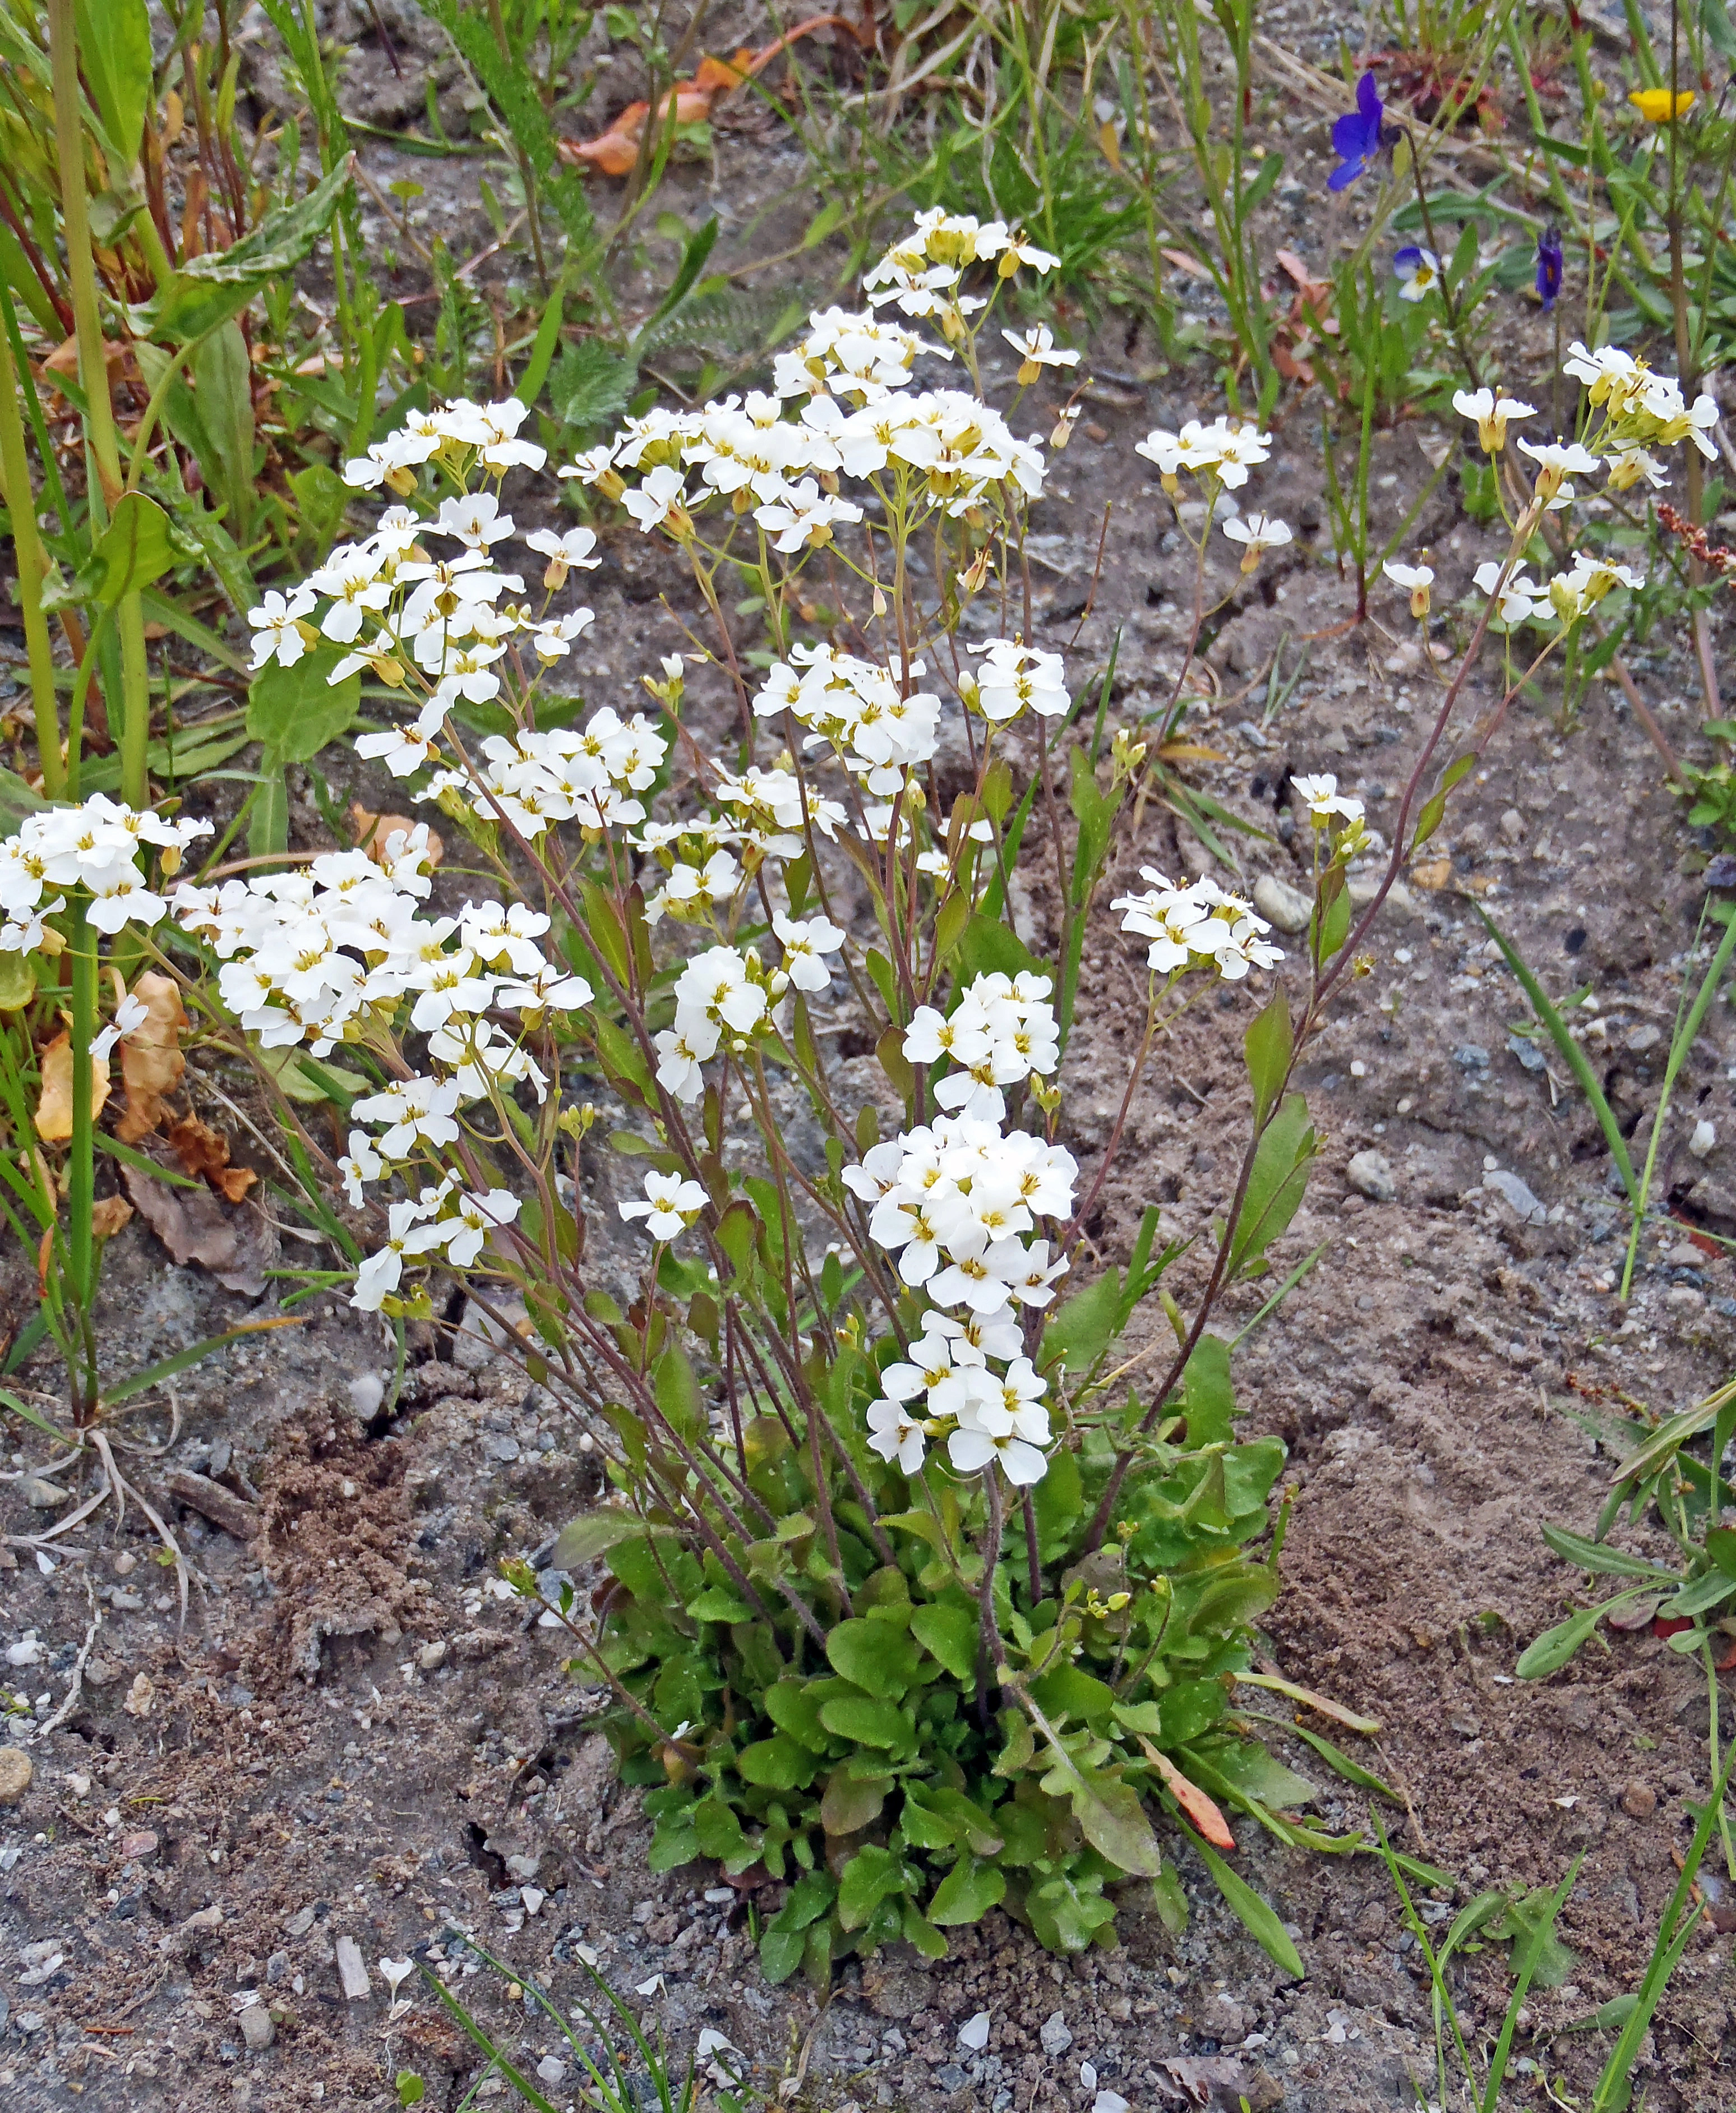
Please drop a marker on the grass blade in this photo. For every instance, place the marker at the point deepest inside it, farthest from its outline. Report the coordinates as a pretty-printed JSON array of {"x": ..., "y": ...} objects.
[{"x": 1571, "y": 1055}]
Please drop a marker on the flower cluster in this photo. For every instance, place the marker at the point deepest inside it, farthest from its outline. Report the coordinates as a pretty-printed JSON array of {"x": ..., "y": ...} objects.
[
  {"x": 1221, "y": 451},
  {"x": 922, "y": 274},
  {"x": 1199, "y": 926},
  {"x": 1001, "y": 1031},
  {"x": 446, "y": 1218},
  {"x": 1565, "y": 598},
  {"x": 94, "y": 847},
  {"x": 953, "y": 1200},
  {"x": 317, "y": 955}
]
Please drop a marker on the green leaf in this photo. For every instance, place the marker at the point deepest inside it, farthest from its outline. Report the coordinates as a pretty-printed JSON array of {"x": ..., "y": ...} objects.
[
  {"x": 1569, "y": 1052},
  {"x": 989, "y": 947},
  {"x": 1602, "y": 1560},
  {"x": 949, "y": 1632},
  {"x": 867, "y": 1721},
  {"x": 295, "y": 712},
  {"x": 719, "y": 1603},
  {"x": 588, "y": 383},
  {"x": 872, "y": 1875},
  {"x": 793, "y": 1709},
  {"x": 223, "y": 391},
  {"x": 1276, "y": 1184},
  {"x": 1207, "y": 1395},
  {"x": 698, "y": 248},
  {"x": 1714, "y": 19},
  {"x": 135, "y": 549},
  {"x": 1721, "y": 1546},
  {"x": 967, "y": 1893},
  {"x": 1259, "y": 1921},
  {"x": 207, "y": 290},
  {"x": 876, "y": 1655},
  {"x": 1083, "y": 1326},
  {"x": 1556, "y": 1646},
  {"x": 1268, "y": 1044},
  {"x": 1111, "y": 1816},
  {"x": 852, "y": 1802},
  {"x": 592, "y": 1533},
  {"x": 114, "y": 45},
  {"x": 777, "y": 1764}
]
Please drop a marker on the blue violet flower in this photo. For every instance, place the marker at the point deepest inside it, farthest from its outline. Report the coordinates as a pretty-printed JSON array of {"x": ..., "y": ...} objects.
[
  {"x": 1550, "y": 262},
  {"x": 1418, "y": 270},
  {"x": 1358, "y": 136}
]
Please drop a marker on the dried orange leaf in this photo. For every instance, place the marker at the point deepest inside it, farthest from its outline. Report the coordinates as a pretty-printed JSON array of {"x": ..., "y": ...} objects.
[
  {"x": 108, "y": 1216},
  {"x": 1199, "y": 1808},
  {"x": 204, "y": 1150},
  {"x": 151, "y": 1059},
  {"x": 54, "y": 1109}
]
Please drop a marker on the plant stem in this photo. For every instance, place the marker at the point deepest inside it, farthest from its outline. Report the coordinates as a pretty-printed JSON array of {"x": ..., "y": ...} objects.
[
  {"x": 99, "y": 418},
  {"x": 20, "y": 505},
  {"x": 81, "y": 1163}
]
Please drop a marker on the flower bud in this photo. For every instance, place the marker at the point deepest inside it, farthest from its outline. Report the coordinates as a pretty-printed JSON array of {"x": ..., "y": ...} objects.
[{"x": 1064, "y": 426}]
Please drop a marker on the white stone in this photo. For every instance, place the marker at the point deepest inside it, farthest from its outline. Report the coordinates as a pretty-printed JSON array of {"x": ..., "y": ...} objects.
[
  {"x": 351, "y": 1970},
  {"x": 973, "y": 2035},
  {"x": 1055, "y": 2036},
  {"x": 1704, "y": 1139},
  {"x": 1281, "y": 905},
  {"x": 1370, "y": 1175}
]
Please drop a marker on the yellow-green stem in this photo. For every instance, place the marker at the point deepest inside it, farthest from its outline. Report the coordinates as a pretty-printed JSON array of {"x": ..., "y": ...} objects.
[
  {"x": 20, "y": 505},
  {"x": 99, "y": 419},
  {"x": 81, "y": 1165}
]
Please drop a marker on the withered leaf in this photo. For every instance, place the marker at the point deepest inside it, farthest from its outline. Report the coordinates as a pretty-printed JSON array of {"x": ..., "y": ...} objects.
[
  {"x": 108, "y": 1216},
  {"x": 204, "y": 1150},
  {"x": 373, "y": 832},
  {"x": 236, "y": 1246},
  {"x": 151, "y": 1059},
  {"x": 54, "y": 1109}
]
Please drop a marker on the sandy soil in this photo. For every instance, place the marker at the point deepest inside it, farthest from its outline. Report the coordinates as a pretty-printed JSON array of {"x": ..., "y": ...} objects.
[{"x": 352, "y": 1738}]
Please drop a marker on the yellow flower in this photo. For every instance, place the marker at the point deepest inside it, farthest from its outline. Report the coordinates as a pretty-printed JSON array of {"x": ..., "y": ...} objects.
[{"x": 1658, "y": 107}]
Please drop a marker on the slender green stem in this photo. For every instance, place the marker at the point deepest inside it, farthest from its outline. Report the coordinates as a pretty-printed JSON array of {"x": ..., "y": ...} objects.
[
  {"x": 20, "y": 505},
  {"x": 81, "y": 1164},
  {"x": 99, "y": 419}
]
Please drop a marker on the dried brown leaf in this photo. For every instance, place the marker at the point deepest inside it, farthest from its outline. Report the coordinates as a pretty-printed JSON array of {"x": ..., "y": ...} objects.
[
  {"x": 204, "y": 1150},
  {"x": 54, "y": 1109},
  {"x": 108, "y": 1216},
  {"x": 375, "y": 831},
  {"x": 151, "y": 1059},
  {"x": 236, "y": 1246}
]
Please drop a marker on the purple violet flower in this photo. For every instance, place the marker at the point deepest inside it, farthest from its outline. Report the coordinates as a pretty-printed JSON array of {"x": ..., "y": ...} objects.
[
  {"x": 1550, "y": 262},
  {"x": 1357, "y": 137}
]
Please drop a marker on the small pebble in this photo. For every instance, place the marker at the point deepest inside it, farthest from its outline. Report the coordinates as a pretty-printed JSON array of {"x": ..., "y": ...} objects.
[
  {"x": 16, "y": 1768},
  {"x": 257, "y": 2028},
  {"x": 1638, "y": 1800},
  {"x": 41, "y": 1496},
  {"x": 1055, "y": 2036},
  {"x": 1281, "y": 905},
  {"x": 1704, "y": 1139},
  {"x": 1370, "y": 1175}
]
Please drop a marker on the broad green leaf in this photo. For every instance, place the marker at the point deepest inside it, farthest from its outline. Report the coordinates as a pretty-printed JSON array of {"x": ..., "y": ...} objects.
[
  {"x": 677, "y": 1392},
  {"x": 223, "y": 391},
  {"x": 793, "y": 1707},
  {"x": 1720, "y": 1540},
  {"x": 719, "y": 1833},
  {"x": 949, "y": 1632},
  {"x": 868, "y": 1721},
  {"x": 1207, "y": 1395},
  {"x": 967, "y": 1893},
  {"x": 872, "y": 1875},
  {"x": 1084, "y": 1325},
  {"x": 207, "y": 290},
  {"x": 295, "y": 712},
  {"x": 593, "y": 1534},
  {"x": 135, "y": 549},
  {"x": 852, "y": 1802},
  {"x": 988, "y": 947},
  {"x": 777, "y": 1764},
  {"x": 114, "y": 43},
  {"x": 719, "y": 1603},
  {"x": 588, "y": 383},
  {"x": 1111, "y": 1816},
  {"x": 781, "y": 1953}
]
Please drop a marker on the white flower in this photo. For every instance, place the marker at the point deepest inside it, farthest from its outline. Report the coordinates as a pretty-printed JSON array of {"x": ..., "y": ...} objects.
[
  {"x": 660, "y": 502},
  {"x": 1493, "y": 412},
  {"x": 895, "y": 1434},
  {"x": 1519, "y": 597},
  {"x": 129, "y": 1014},
  {"x": 803, "y": 516},
  {"x": 277, "y": 628},
  {"x": 1321, "y": 796},
  {"x": 970, "y": 1451},
  {"x": 1416, "y": 580},
  {"x": 1258, "y": 532},
  {"x": 672, "y": 1206},
  {"x": 1556, "y": 464},
  {"x": 1016, "y": 678},
  {"x": 380, "y": 1274},
  {"x": 415, "y": 1108},
  {"x": 467, "y": 1234},
  {"x": 1037, "y": 349},
  {"x": 361, "y": 1163},
  {"x": 804, "y": 942},
  {"x": 564, "y": 552}
]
